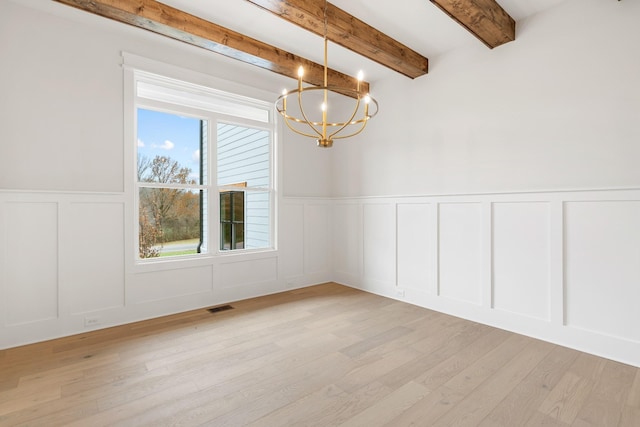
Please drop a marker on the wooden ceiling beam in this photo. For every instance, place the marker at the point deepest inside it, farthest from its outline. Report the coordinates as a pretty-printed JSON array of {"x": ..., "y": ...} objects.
[
  {"x": 349, "y": 32},
  {"x": 485, "y": 19},
  {"x": 176, "y": 24}
]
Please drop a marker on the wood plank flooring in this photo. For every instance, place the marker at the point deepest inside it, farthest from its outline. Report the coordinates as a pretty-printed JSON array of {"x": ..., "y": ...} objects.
[{"x": 326, "y": 355}]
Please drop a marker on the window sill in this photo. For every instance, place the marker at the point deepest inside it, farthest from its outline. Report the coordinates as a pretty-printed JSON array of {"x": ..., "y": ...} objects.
[{"x": 194, "y": 261}]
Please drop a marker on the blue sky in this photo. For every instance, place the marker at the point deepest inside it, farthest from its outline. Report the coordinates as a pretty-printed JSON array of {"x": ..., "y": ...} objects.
[{"x": 165, "y": 134}]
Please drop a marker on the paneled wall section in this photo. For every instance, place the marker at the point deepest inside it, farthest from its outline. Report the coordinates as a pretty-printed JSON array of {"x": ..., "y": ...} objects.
[
  {"x": 64, "y": 266},
  {"x": 559, "y": 266}
]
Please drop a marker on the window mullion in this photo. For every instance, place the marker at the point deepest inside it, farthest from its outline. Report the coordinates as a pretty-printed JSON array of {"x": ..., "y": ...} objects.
[{"x": 171, "y": 185}]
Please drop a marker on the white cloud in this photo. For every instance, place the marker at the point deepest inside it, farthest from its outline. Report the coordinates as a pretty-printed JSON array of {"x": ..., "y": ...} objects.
[
  {"x": 196, "y": 156},
  {"x": 140, "y": 143},
  {"x": 168, "y": 145}
]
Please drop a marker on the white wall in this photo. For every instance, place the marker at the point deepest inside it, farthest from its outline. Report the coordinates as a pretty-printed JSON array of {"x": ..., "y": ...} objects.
[
  {"x": 66, "y": 246},
  {"x": 558, "y": 108},
  {"x": 461, "y": 195}
]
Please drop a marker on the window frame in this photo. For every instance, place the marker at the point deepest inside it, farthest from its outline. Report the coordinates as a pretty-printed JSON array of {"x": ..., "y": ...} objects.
[{"x": 133, "y": 75}]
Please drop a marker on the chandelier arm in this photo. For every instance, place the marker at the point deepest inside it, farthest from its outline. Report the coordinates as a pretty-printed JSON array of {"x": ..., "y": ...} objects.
[
  {"x": 295, "y": 119},
  {"x": 348, "y": 122},
  {"x": 284, "y": 113},
  {"x": 306, "y": 120},
  {"x": 288, "y": 118},
  {"x": 364, "y": 124},
  {"x": 335, "y": 124},
  {"x": 299, "y": 132},
  {"x": 363, "y": 121},
  {"x": 334, "y": 89}
]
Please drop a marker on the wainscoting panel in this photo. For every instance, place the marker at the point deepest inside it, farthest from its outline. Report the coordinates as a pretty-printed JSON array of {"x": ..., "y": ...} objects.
[
  {"x": 460, "y": 257},
  {"x": 415, "y": 249},
  {"x": 521, "y": 258},
  {"x": 93, "y": 241},
  {"x": 243, "y": 273},
  {"x": 66, "y": 264},
  {"x": 559, "y": 266},
  {"x": 603, "y": 267},
  {"x": 169, "y": 284},
  {"x": 379, "y": 248},
  {"x": 346, "y": 245},
  {"x": 291, "y": 240},
  {"x": 31, "y": 262},
  {"x": 316, "y": 238}
]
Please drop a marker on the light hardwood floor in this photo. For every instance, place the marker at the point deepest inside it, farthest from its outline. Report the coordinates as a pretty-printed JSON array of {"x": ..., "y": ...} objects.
[{"x": 320, "y": 356}]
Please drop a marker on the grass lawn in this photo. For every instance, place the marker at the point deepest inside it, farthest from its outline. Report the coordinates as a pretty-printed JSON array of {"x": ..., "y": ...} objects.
[
  {"x": 177, "y": 247},
  {"x": 175, "y": 253}
]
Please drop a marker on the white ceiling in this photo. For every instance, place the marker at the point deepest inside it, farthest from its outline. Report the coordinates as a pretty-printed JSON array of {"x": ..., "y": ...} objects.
[{"x": 418, "y": 24}]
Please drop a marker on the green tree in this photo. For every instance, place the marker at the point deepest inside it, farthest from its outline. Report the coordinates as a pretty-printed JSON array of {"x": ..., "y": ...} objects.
[
  {"x": 149, "y": 237},
  {"x": 163, "y": 210}
]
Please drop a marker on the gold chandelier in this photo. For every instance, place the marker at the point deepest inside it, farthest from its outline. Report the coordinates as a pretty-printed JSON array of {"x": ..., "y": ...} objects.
[{"x": 318, "y": 123}]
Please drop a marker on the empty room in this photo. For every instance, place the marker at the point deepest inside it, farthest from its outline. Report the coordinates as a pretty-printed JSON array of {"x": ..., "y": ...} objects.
[{"x": 310, "y": 213}]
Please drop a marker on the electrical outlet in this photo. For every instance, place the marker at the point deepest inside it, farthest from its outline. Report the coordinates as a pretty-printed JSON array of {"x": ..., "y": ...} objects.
[
  {"x": 91, "y": 321},
  {"x": 400, "y": 293}
]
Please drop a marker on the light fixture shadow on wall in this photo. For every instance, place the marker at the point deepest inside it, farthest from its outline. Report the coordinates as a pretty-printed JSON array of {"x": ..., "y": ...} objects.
[{"x": 313, "y": 111}]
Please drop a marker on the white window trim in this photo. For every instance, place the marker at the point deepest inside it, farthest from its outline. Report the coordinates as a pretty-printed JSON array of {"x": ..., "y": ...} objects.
[{"x": 133, "y": 66}]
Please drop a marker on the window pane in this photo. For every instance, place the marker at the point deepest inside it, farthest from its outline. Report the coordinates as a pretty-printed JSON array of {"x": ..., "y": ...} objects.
[
  {"x": 243, "y": 156},
  {"x": 169, "y": 148},
  {"x": 225, "y": 206},
  {"x": 238, "y": 206},
  {"x": 225, "y": 236},
  {"x": 238, "y": 235},
  {"x": 169, "y": 222},
  {"x": 257, "y": 220},
  {"x": 232, "y": 220}
]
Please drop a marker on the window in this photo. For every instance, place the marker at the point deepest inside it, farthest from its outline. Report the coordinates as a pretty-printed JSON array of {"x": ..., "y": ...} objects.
[{"x": 203, "y": 170}]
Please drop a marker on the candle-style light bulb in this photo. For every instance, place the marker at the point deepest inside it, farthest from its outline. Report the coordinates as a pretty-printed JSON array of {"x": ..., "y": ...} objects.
[
  {"x": 323, "y": 107},
  {"x": 300, "y": 74},
  {"x": 367, "y": 100},
  {"x": 360, "y": 77}
]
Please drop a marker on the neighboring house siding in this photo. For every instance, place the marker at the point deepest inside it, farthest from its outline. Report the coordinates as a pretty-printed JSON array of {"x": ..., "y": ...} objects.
[{"x": 243, "y": 156}]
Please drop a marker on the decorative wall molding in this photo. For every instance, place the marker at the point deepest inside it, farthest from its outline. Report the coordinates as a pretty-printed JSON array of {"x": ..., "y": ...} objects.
[
  {"x": 560, "y": 266},
  {"x": 63, "y": 261}
]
